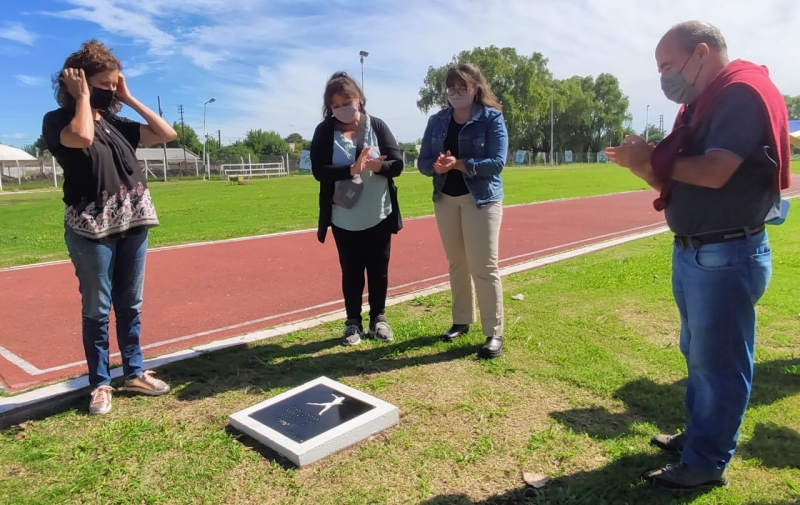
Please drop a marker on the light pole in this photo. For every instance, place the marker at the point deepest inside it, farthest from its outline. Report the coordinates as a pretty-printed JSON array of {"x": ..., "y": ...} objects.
[
  {"x": 363, "y": 55},
  {"x": 647, "y": 125},
  {"x": 208, "y": 171},
  {"x": 552, "y": 123}
]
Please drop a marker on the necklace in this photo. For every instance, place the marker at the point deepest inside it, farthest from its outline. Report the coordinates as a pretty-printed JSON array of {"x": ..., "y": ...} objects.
[{"x": 102, "y": 123}]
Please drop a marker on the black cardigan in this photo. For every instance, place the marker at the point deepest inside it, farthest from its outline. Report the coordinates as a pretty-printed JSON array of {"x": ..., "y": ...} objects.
[{"x": 327, "y": 174}]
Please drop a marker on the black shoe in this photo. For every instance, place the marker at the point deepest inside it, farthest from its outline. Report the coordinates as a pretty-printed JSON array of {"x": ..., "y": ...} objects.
[
  {"x": 681, "y": 477},
  {"x": 492, "y": 348},
  {"x": 670, "y": 443},
  {"x": 454, "y": 332}
]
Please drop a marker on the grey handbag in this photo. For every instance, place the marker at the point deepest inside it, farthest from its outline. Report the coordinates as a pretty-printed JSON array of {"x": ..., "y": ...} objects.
[{"x": 348, "y": 191}]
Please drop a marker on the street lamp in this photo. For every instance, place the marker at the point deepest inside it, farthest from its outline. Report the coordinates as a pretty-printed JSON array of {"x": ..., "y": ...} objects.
[
  {"x": 363, "y": 55},
  {"x": 208, "y": 171},
  {"x": 552, "y": 122},
  {"x": 647, "y": 125}
]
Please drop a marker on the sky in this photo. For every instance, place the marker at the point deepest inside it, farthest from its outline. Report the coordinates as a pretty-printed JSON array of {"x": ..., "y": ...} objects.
[{"x": 266, "y": 61}]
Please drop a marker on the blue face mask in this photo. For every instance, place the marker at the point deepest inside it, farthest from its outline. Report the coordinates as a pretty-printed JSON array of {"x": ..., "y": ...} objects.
[{"x": 677, "y": 89}]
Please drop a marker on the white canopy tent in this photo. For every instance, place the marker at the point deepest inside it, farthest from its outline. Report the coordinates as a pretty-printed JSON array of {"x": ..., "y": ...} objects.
[{"x": 11, "y": 156}]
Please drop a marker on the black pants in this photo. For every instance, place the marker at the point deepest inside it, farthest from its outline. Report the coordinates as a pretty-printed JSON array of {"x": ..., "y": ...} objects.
[{"x": 367, "y": 250}]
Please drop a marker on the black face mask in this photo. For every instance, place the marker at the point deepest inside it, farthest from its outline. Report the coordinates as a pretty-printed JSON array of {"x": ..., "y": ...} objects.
[{"x": 101, "y": 98}]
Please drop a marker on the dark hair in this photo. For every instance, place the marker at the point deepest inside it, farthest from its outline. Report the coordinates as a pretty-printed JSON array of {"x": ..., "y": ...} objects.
[
  {"x": 94, "y": 58},
  {"x": 342, "y": 84},
  {"x": 470, "y": 75},
  {"x": 690, "y": 34}
]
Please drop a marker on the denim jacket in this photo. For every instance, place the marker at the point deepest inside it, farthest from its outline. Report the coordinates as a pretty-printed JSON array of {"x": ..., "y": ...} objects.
[{"x": 482, "y": 145}]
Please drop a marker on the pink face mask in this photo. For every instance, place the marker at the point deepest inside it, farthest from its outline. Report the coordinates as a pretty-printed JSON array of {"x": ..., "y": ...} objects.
[{"x": 346, "y": 114}]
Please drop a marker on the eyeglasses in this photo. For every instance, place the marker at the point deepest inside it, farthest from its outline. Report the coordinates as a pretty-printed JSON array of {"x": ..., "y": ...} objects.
[{"x": 459, "y": 91}]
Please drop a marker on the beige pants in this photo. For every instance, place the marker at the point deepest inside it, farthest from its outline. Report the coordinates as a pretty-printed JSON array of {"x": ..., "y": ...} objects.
[{"x": 470, "y": 238}]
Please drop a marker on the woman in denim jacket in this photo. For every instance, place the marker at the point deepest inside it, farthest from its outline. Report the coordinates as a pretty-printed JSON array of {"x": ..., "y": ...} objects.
[{"x": 464, "y": 149}]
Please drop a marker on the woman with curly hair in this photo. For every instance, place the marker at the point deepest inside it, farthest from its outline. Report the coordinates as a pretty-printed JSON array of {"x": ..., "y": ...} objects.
[{"x": 108, "y": 209}]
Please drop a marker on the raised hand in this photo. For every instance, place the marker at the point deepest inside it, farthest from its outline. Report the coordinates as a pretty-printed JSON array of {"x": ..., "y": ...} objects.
[
  {"x": 122, "y": 93},
  {"x": 76, "y": 83},
  {"x": 360, "y": 163}
]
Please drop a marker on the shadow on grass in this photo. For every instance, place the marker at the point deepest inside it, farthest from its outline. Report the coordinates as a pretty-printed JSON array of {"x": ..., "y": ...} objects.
[
  {"x": 775, "y": 446},
  {"x": 616, "y": 483},
  {"x": 272, "y": 368},
  {"x": 663, "y": 406}
]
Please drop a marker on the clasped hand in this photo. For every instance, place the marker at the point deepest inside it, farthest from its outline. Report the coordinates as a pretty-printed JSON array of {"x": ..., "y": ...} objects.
[
  {"x": 365, "y": 162},
  {"x": 634, "y": 154},
  {"x": 446, "y": 162}
]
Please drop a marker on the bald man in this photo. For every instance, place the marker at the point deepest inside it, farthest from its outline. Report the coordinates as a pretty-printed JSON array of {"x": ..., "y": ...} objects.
[{"x": 719, "y": 174}]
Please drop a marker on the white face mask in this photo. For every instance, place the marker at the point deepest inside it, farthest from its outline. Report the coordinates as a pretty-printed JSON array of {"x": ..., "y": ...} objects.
[{"x": 460, "y": 101}]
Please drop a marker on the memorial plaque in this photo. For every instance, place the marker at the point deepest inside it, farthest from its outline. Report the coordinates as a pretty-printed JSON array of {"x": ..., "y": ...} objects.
[{"x": 318, "y": 418}]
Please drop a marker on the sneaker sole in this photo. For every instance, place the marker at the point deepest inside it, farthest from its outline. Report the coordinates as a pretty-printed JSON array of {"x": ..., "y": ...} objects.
[
  {"x": 675, "y": 489},
  {"x": 147, "y": 392},
  {"x": 489, "y": 355},
  {"x": 372, "y": 334},
  {"x": 100, "y": 412}
]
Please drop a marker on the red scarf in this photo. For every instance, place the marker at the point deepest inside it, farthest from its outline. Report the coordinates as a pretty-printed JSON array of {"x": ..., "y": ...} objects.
[{"x": 737, "y": 72}]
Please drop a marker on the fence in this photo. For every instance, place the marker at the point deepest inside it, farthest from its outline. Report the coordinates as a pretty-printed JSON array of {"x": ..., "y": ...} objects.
[{"x": 533, "y": 158}]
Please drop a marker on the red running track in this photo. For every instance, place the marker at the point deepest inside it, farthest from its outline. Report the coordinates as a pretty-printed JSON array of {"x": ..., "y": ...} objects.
[{"x": 200, "y": 293}]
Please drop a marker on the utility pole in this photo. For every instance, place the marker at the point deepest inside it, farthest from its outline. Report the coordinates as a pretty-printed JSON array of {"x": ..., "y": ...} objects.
[
  {"x": 661, "y": 123},
  {"x": 183, "y": 136},
  {"x": 219, "y": 138},
  {"x": 647, "y": 125},
  {"x": 161, "y": 114}
]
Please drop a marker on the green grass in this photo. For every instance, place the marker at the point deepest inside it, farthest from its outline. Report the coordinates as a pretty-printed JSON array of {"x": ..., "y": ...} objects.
[
  {"x": 194, "y": 211},
  {"x": 591, "y": 371}
]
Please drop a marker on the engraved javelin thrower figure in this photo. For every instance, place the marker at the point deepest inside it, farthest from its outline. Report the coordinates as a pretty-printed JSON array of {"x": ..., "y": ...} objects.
[{"x": 338, "y": 400}]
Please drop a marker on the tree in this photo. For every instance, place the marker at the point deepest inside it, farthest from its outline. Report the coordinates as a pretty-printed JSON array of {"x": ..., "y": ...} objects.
[
  {"x": 266, "y": 143},
  {"x": 793, "y": 104},
  {"x": 653, "y": 134},
  {"x": 588, "y": 113},
  {"x": 40, "y": 144},
  {"x": 522, "y": 84},
  {"x": 294, "y": 138},
  {"x": 187, "y": 138},
  {"x": 408, "y": 147},
  {"x": 30, "y": 149},
  {"x": 234, "y": 153}
]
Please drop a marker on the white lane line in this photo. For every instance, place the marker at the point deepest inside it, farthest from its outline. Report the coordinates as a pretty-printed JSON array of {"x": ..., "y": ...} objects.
[
  {"x": 10, "y": 403},
  {"x": 31, "y": 369},
  {"x": 299, "y": 232}
]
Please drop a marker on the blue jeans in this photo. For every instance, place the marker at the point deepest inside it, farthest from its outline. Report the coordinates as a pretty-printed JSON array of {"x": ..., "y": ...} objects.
[
  {"x": 716, "y": 287},
  {"x": 110, "y": 273}
]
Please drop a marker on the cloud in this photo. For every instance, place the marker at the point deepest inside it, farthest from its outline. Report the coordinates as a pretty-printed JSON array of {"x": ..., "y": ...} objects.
[
  {"x": 135, "y": 70},
  {"x": 267, "y": 64},
  {"x": 17, "y": 33},
  {"x": 30, "y": 80},
  {"x": 123, "y": 20}
]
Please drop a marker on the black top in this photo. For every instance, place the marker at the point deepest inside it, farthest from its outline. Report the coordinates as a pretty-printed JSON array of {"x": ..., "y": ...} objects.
[
  {"x": 737, "y": 125},
  {"x": 105, "y": 191},
  {"x": 454, "y": 184},
  {"x": 327, "y": 173}
]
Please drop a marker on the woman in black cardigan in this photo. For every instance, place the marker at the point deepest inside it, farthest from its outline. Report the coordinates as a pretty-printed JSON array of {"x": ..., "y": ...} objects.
[{"x": 355, "y": 158}]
